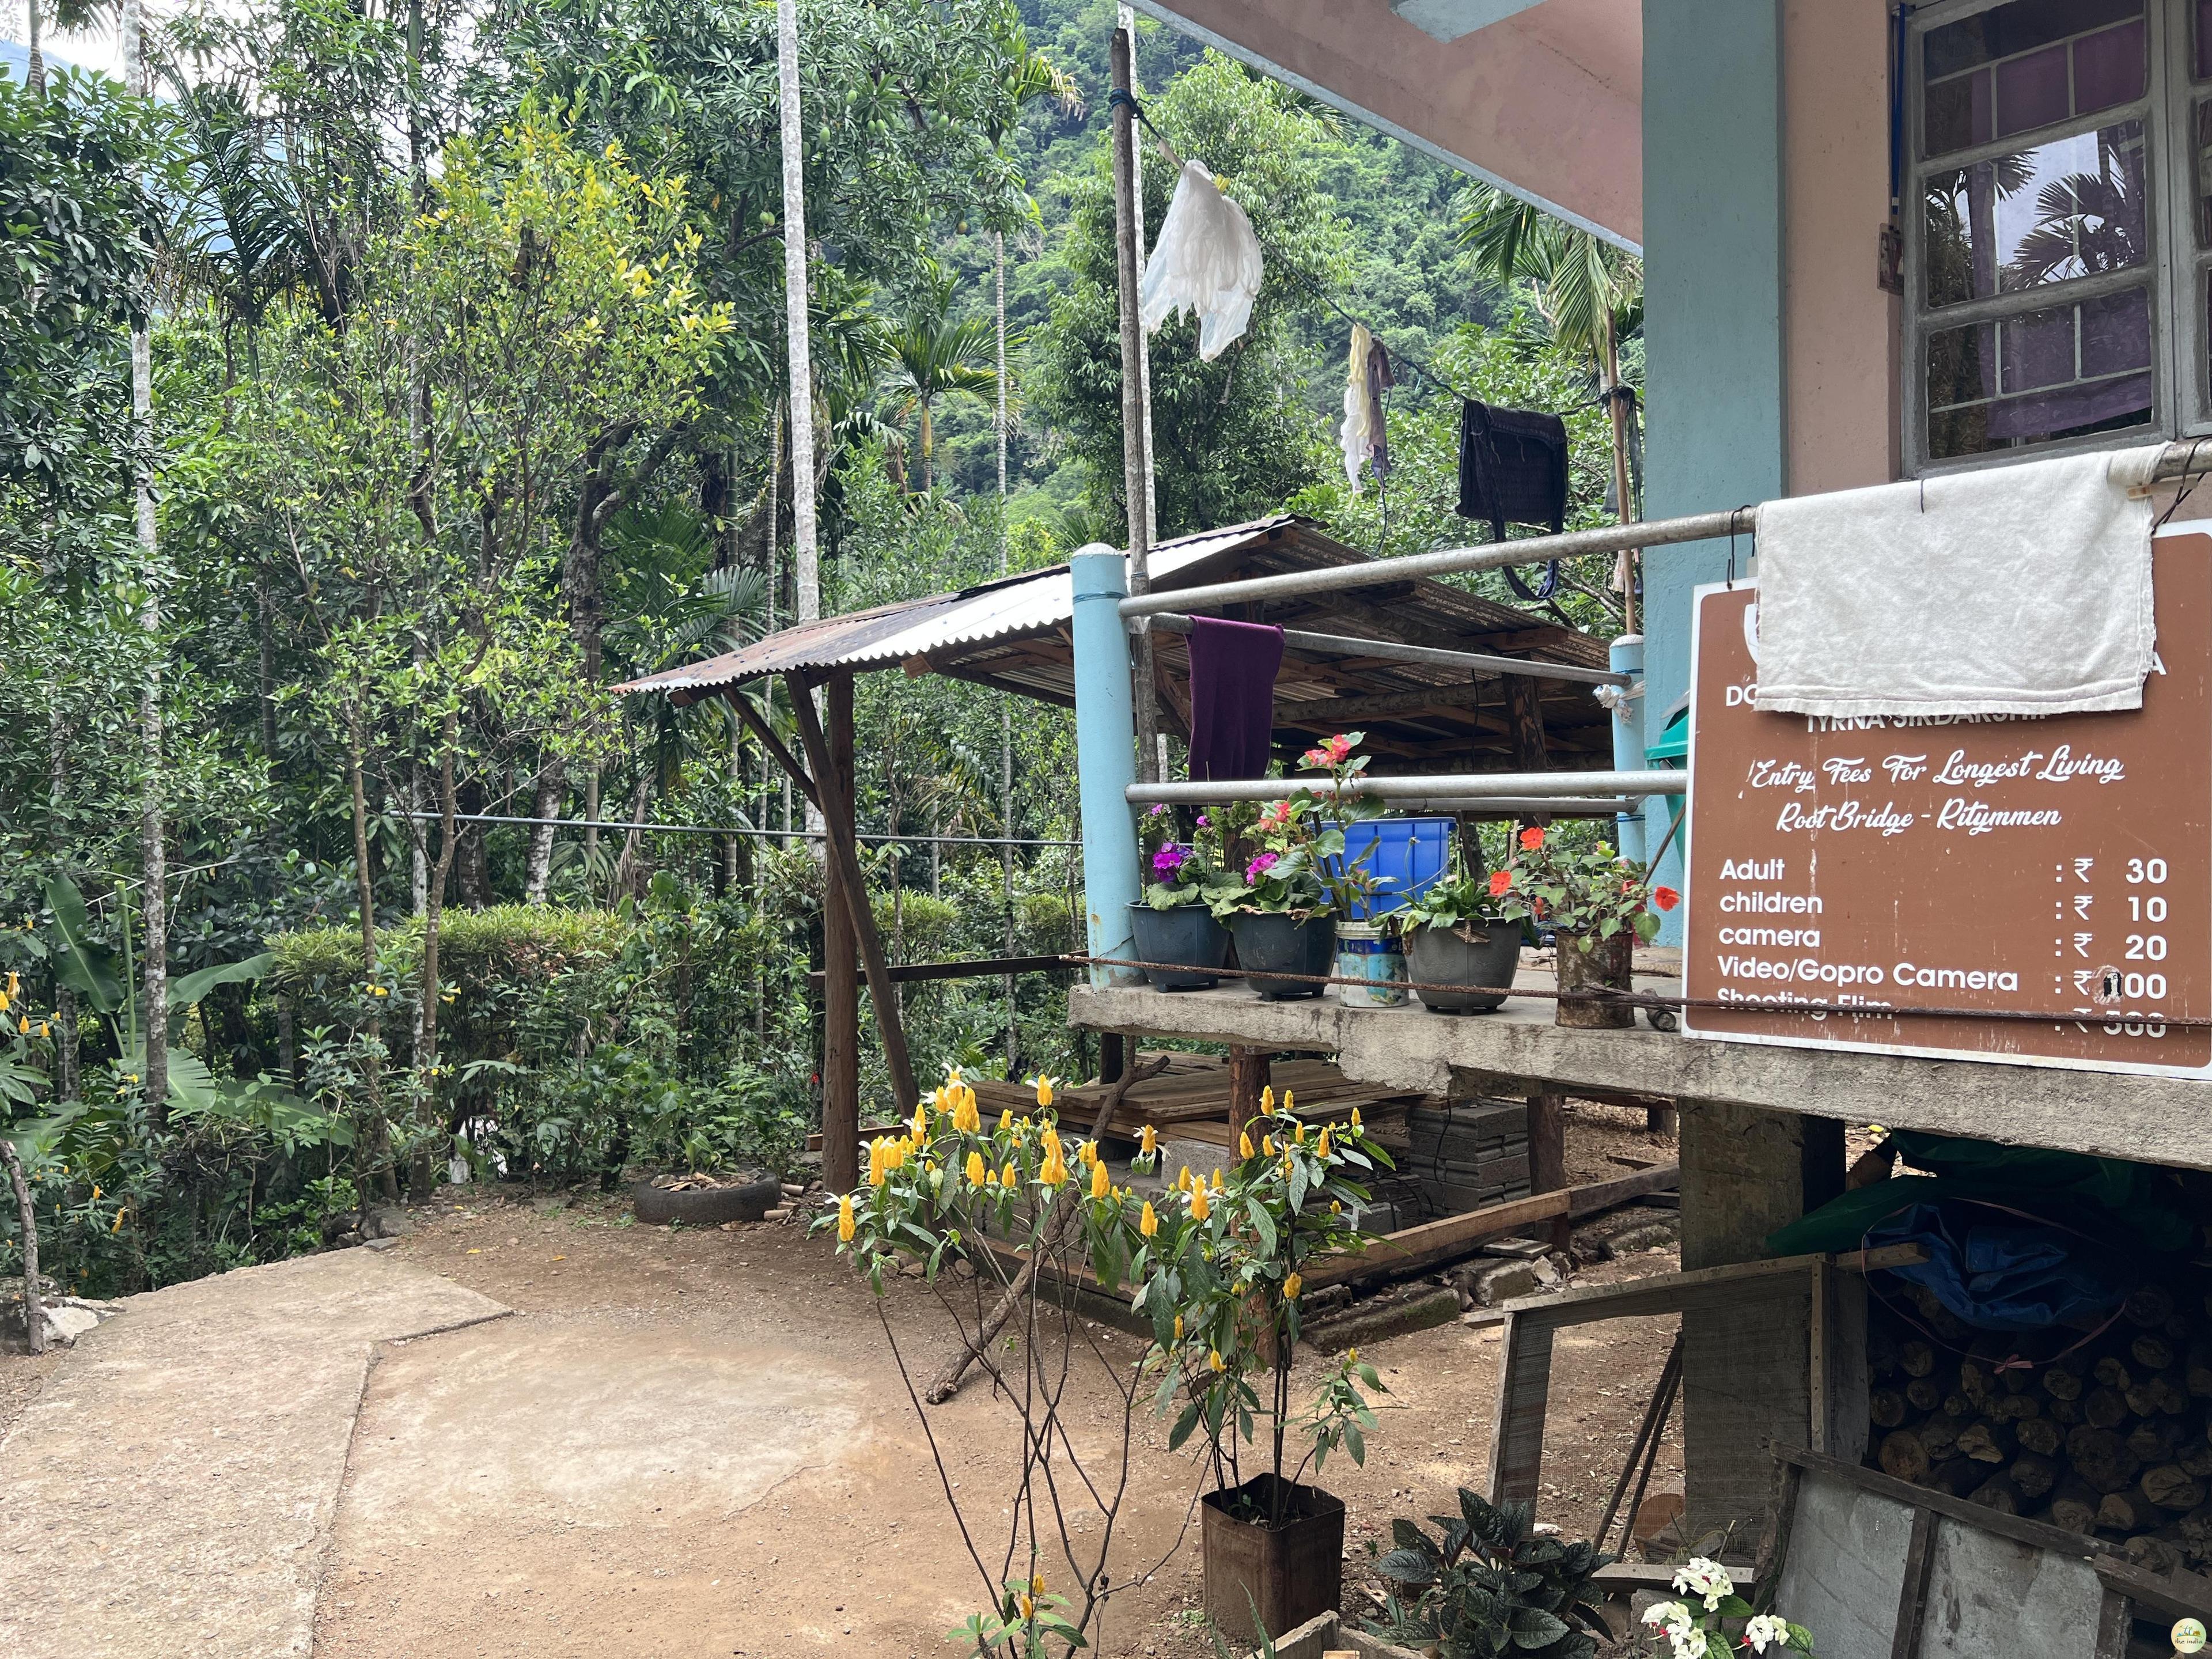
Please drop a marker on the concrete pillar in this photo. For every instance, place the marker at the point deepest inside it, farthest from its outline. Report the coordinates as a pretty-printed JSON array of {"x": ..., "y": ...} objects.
[
  {"x": 1716, "y": 431},
  {"x": 1106, "y": 757},
  {"x": 1745, "y": 1375}
]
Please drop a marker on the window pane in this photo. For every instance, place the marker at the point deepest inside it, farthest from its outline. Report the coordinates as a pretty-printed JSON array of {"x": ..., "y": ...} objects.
[
  {"x": 2203, "y": 162},
  {"x": 2029, "y": 64},
  {"x": 2071, "y": 208},
  {"x": 2062, "y": 372},
  {"x": 2204, "y": 39}
]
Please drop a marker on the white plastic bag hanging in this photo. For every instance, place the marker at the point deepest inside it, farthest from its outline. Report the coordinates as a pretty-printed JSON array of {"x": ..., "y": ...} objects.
[{"x": 1207, "y": 260}]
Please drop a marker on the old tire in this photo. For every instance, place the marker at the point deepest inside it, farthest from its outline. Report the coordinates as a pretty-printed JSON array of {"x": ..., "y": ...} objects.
[{"x": 707, "y": 1206}]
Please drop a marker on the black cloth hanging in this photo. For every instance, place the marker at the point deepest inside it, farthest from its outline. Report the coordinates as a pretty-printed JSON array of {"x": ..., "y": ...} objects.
[{"x": 1513, "y": 469}]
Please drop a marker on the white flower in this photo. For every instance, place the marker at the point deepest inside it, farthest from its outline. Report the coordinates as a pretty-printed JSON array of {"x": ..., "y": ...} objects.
[
  {"x": 1767, "y": 1628},
  {"x": 1707, "y": 1578},
  {"x": 1666, "y": 1612},
  {"x": 2188, "y": 1636},
  {"x": 1689, "y": 1642}
]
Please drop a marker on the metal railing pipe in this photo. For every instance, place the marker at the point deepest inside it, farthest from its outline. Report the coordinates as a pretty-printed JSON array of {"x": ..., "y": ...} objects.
[
  {"x": 1478, "y": 662},
  {"x": 1462, "y": 785},
  {"x": 2187, "y": 458}
]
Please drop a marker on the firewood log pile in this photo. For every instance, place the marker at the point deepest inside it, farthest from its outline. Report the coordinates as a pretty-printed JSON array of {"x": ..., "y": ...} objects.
[{"x": 2113, "y": 1438}]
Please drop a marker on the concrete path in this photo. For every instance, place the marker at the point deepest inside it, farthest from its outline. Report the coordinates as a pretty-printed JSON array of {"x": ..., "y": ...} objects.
[{"x": 171, "y": 1491}]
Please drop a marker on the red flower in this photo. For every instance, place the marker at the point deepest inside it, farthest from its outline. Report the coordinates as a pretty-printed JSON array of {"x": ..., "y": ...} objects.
[
  {"x": 1501, "y": 882},
  {"x": 1337, "y": 748},
  {"x": 1531, "y": 838},
  {"x": 1665, "y": 897},
  {"x": 1314, "y": 758}
]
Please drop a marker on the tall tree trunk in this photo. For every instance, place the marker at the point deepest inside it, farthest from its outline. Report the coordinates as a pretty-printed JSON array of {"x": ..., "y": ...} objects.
[
  {"x": 57, "y": 749},
  {"x": 35, "y": 75},
  {"x": 796, "y": 321},
  {"x": 34, "y": 1313},
  {"x": 426, "y": 1052},
  {"x": 371, "y": 1067},
  {"x": 629, "y": 866},
  {"x": 152, "y": 814},
  {"x": 544, "y": 806}
]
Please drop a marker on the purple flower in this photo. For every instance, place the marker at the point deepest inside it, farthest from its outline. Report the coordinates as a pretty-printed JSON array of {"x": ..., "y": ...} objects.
[
  {"x": 1168, "y": 860},
  {"x": 1203, "y": 822},
  {"x": 1159, "y": 807},
  {"x": 1259, "y": 866}
]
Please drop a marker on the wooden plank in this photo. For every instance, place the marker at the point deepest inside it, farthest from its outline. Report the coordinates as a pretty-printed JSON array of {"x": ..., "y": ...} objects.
[
  {"x": 851, "y": 892},
  {"x": 2115, "y": 1615},
  {"x": 841, "y": 987},
  {"x": 1547, "y": 1158},
  {"x": 1524, "y": 1380},
  {"x": 2178, "y": 1594},
  {"x": 1664, "y": 1293},
  {"x": 1820, "y": 1355},
  {"x": 1912, "y": 1593},
  {"x": 1774, "y": 1548},
  {"x": 1424, "y": 1246},
  {"x": 2036, "y": 1533},
  {"x": 1594, "y": 1196}
]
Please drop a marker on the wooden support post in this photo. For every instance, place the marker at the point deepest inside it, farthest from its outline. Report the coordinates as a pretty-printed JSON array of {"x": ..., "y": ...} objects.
[
  {"x": 1248, "y": 1070},
  {"x": 1524, "y": 718},
  {"x": 1548, "y": 1157},
  {"x": 851, "y": 890},
  {"x": 1135, "y": 416},
  {"x": 841, "y": 982},
  {"x": 1112, "y": 1056}
]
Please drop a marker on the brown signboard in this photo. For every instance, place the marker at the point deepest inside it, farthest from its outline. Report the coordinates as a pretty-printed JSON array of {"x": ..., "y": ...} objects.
[{"x": 2056, "y": 867}]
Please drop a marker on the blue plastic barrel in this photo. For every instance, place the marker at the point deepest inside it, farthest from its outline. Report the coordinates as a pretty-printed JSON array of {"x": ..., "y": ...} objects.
[{"x": 1412, "y": 853}]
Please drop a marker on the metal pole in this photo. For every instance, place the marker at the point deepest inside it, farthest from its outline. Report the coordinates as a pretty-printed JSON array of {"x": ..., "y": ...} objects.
[
  {"x": 1347, "y": 645},
  {"x": 1133, "y": 412},
  {"x": 1456, "y": 786},
  {"x": 1627, "y": 657},
  {"x": 1106, "y": 753}
]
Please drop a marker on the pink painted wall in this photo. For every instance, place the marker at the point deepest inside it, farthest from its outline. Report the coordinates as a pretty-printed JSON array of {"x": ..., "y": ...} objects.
[
  {"x": 1840, "y": 328},
  {"x": 1550, "y": 101}
]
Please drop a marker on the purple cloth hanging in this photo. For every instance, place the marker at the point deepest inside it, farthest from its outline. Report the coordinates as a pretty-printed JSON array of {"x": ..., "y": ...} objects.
[{"x": 1232, "y": 697}]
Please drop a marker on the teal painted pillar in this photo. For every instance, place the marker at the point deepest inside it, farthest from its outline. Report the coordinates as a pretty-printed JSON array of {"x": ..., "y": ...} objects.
[
  {"x": 1626, "y": 656},
  {"x": 1712, "y": 314},
  {"x": 1106, "y": 757}
]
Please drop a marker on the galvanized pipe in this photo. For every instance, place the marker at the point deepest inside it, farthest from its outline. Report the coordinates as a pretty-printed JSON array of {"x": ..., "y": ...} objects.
[
  {"x": 2189, "y": 457},
  {"x": 1478, "y": 662},
  {"x": 1530, "y": 786}
]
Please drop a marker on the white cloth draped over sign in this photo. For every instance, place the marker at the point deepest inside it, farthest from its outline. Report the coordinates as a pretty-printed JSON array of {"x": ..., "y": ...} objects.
[
  {"x": 2014, "y": 590},
  {"x": 1208, "y": 259}
]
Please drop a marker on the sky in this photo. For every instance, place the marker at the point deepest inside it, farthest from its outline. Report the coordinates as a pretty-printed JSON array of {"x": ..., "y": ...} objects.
[{"x": 92, "y": 49}]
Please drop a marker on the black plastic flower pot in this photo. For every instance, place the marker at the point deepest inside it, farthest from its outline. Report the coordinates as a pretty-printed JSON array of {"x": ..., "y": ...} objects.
[
  {"x": 1439, "y": 955},
  {"x": 1273, "y": 942},
  {"x": 1187, "y": 937},
  {"x": 1288, "y": 1573}
]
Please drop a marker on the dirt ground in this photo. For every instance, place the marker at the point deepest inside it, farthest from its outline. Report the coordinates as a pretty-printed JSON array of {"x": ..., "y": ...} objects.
[{"x": 698, "y": 1443}]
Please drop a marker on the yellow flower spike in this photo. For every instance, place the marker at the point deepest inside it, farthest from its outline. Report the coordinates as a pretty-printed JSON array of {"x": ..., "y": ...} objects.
[
  {"x": 1037, "y": 1582},
  {"x": 1149, "y": 1142},
  {"x": 1336, "y": 1206},
  {"x": 1213, "y": 1358},
  {"x": 1244, "y": 1144},
  {"x": 23, "y": 1025},
  {"x": 1182, "y": 1180},
  {"x": 1300, "y": 1136},
  {"x": 1288, "y": 1098},
  {"x": 1355, "y": 1117},
  {"x": 1267, "y": 1098},
  {"x": 1007, "y": 1120},
  {"x": 1028, "y": 1608},
  {"x": 1148, "y": 1221},
  {"x": 1200, "y": 1206},
  {"x": 3, "y": 1002},
  {"x": 978, "y": 1170},
  {"x": 845, "y": 1223},
  {"x": 1291, "y": 1286},
  {"x": 1268, "y": 1145},
  {"x": 921, "y": 1123},
  {"x": 1007, "y": 1177},
  {"x": 1321, "y": 1146},
  {"x": 1087, "y": 1153},
  {"x": 1043, "y": 1089},
  {"x": 118, "y": 1227},
  {"x": 1216, "y": 1181},
  {"x": 1102, "y": 1186},
  {"x": 1178, "y": 1336},
  {"x": 45, "y": 1028}
]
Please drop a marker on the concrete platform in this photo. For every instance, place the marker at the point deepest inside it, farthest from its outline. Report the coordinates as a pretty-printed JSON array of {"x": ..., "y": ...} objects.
[{"x": 2155, "y": 1120}]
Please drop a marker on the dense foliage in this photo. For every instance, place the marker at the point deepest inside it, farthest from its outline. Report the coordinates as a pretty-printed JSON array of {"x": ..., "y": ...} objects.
[{"x": 458, "y": 329}]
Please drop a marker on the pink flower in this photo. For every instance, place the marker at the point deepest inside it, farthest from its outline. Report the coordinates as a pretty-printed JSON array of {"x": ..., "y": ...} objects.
[
  {"x": 1259, "y": 866},
  {"x": 1337, "y": 748},
  {"x": 1168, "y": 860}
]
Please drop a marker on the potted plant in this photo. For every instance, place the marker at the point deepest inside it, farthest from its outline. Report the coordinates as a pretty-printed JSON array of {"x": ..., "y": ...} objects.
[
  {"x": 1492, "y": 1588},
  {"x": 1598, "y": 905},
  {"x": 1280, "y": 914},
  {"x": 1714, "y": 1618},
  {"x": 1222, "y": 1274},
  {"x": 1368, "y": 950},
  {"x": 1174, "y": 924},
  {"x": 1458, "y": 931}
]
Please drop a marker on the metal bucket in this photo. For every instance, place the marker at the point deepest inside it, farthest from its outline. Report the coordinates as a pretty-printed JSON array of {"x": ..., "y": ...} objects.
[{"x": 1365, "y": 952}]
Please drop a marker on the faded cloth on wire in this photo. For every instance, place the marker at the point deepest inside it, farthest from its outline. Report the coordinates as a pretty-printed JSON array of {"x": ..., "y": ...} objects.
[
  {"x": 1232, "y": 696},
  {"x": 1206, "y": 261},
  {"x": 2020, "y": 590}
]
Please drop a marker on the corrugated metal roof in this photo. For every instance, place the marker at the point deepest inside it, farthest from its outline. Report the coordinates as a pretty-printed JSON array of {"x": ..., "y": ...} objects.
[{"x": 1034, "y": 603}]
